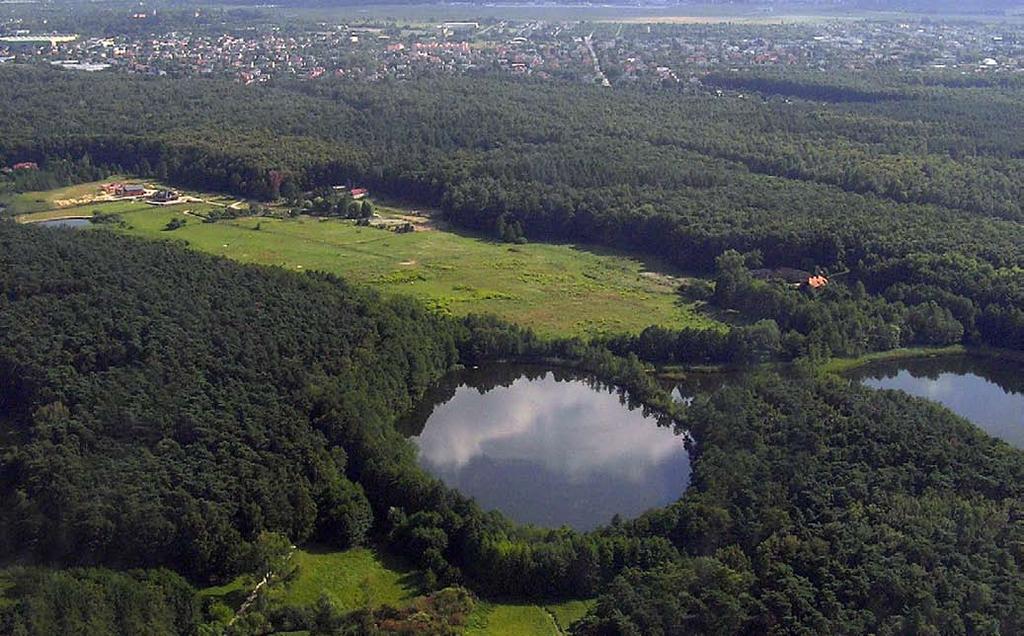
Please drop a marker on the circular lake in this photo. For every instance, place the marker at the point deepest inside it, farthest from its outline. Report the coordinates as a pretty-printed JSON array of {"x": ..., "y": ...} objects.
[
  {"x": 987, "y": 391},
  {"x": 547, "y": 447}
]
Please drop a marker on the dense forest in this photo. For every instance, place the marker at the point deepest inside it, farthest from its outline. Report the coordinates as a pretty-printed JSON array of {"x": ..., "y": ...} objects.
[
  {"x": 908, "y": 190},
  {"x": 151, "y": 445},
  {"x": 143, "y": 432}
]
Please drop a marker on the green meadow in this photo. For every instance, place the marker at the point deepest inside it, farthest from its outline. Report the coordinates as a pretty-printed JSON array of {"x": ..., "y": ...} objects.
[
  {"x": 352, "y": 579},
  {"x": 498, "y": 619},
  {"x": 558, "y": 290},
  {"x": 364, "y": 577}
]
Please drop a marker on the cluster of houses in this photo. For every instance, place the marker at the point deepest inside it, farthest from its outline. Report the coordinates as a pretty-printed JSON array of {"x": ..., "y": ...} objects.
[{"x": 642, "y": 53}]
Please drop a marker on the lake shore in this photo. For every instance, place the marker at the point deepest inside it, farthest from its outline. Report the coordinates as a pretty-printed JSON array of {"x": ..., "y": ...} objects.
[{"x": 842, "y": 365}]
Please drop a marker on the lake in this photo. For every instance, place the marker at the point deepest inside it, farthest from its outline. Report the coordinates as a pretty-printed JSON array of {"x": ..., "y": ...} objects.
[
  {"x": 547, "y": 447},
  {"x": 987, "y": 391},
  {"x": 66, "y": 223}
]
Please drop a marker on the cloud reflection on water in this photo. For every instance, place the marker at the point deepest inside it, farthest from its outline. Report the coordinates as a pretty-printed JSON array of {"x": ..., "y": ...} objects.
[
  {"x": 988, "y": 405},
  {"x": 553, "y": 452}
]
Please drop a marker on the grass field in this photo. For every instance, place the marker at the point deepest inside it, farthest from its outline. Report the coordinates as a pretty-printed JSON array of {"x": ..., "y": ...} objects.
[
  {"x": 499, "y": 619},
  {"x": 568, "y": 612},
  {"x": 556, "y": 289},
  {"x": 351, "y": 579},
  {"x": 6, "y": 584},
  {"x": 510, "y": 620},
  {"x": 363, "y": 577}
]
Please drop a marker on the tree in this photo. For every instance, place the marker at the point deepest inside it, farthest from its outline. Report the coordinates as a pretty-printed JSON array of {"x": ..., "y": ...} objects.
[{"x": 731, "y": 276}]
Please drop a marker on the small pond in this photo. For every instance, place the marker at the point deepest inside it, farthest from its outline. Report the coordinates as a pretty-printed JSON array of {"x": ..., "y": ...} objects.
[
  {"x": 987, "y": 391},
  {"x": 65, "y": 223},
  {"x": 547, "y": 447}
]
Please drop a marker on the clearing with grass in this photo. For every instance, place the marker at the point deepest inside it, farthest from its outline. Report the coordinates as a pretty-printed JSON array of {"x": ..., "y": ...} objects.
[
  {"x": 367, "y": 578},
  {"x": 558, "y": 290},
  {"x": 352, "y": 579}
]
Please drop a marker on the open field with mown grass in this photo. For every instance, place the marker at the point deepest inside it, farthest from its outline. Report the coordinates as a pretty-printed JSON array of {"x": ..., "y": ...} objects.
[
  {"x": 499, "y": 619},
  {"x": 363, "y": 577},
  {"x": 558, "y": 290}
]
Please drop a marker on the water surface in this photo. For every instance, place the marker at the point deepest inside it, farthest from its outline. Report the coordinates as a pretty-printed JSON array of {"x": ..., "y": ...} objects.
[
  {"x": 66, "y": 223},
  {"x": 547, "y": 447},
  {"x": 987, "y": 391}
]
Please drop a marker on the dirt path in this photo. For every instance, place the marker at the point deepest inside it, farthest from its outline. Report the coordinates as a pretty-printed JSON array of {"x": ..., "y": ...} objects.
[
  {"x": 255, "y": 592},
  {"x": 250, "y": 599},
  {"x": 589, "y": 41}
]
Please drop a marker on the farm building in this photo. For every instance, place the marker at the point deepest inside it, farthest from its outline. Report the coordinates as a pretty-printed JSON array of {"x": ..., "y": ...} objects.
[
  {"x": 791, "y": 276},
  {"x": 133, "y": 190},
  {"x": 359, "y": 193},
  {"x": 165, "y": 196},
  {"x": 25, "y": 165}
]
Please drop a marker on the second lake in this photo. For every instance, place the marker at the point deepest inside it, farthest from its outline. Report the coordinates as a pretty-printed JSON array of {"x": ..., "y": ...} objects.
[{"x": 987, "y": 391}]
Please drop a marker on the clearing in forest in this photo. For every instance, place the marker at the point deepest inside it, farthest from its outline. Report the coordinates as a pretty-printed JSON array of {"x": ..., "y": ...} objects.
[
  {"x": 558, "y": 290},
  {"x": 364, "y": 578}
]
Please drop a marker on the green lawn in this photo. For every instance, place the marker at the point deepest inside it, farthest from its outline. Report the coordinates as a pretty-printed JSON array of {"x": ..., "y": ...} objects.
[
  {"x": 841, "y": 365},
  {"x": 28, "y": 202},
  {"x": 363, "y": 577},
  {"x": 568, "y": 612},
  {"x": 500, "y": 619},
  {"x": 510, "y": 620},
  {"x": 6, "y": 585},
  {"x": 351, "y": 579},
  {"x": 231, "y": 594}
]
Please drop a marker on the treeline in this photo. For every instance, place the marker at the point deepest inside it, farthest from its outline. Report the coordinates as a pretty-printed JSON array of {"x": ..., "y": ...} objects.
[
  {"x": 689, "y": 171},
  {"x": 58, "y": 173},
  {"x": 912, "y": 306},
  {"x": 116, "y": 389},
  {"x": 816, "y": 87}
]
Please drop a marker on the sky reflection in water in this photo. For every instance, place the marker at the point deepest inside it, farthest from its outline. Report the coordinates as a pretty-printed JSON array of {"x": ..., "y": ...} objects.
[
  {"x": 553, "y": 452},
  {"x": 986, "y": 392}
]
